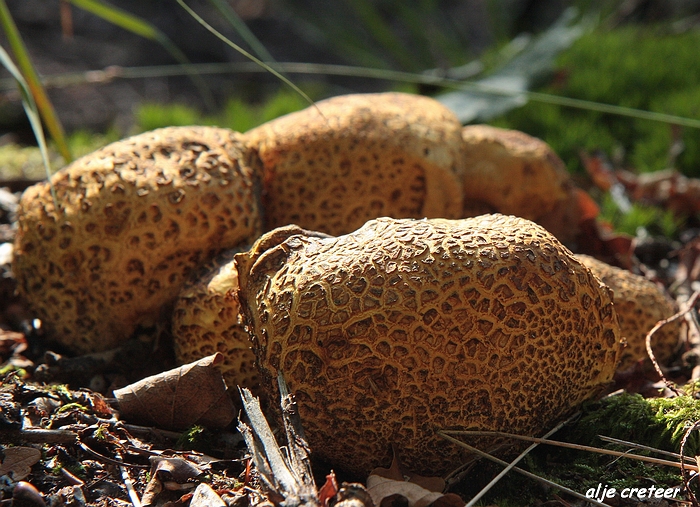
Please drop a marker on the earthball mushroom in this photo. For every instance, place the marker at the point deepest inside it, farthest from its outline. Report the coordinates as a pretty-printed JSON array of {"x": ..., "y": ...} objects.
[
  {"x": 207, "y": 319},
  {"x": 640, "y": 304},
  {"x": 333, "y": 166},
  {"x": 405, "y": 327},
  {"x": 128, "y": 223},
  {"x": 510, "y": 172}
]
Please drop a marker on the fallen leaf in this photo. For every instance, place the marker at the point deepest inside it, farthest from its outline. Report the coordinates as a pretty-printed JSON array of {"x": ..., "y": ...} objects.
[
  {"x": 595, "y": 240},
  {"x": 668, "y": 189},
  {"x": 177, "y": 399},
  {"x": 18, "y": 462},
  {"x": 175, "y": 468},
  {"x": 382, "y": 490},
  {"x": 204, "y": 496},
  {"x": 385, "y": 484},
  {"x": 12, "y": 342},
  {"x": 328, "y": 490},
  {"x": 599, "y": 169}
]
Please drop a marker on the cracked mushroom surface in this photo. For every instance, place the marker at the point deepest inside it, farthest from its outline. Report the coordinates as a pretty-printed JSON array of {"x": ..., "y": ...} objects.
[
  {"x": 510, "y": 172},
  {"x": 408, "y": 326},
  {"x": 333, "y": 166},
  {"x": 133, "y": 220},
  {"x": 640, "y": 304}
]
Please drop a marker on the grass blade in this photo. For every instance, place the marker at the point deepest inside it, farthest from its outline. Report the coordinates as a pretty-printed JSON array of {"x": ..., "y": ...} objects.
[
  {"x": 239, "y": 25},
  {"x": 138, "y": 26},
  {"x": 245, "y": 53},
  {"x": 31, "y": 84},
  {"x": 32, "y": 112},
  {"x": 106, "y": 76}
]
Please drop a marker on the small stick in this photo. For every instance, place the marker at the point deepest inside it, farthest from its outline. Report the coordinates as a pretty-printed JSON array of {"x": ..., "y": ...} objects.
[
  {"x": 512, "y": 464},
  {"x": 639, "y": 446},
  {"x": 685, "y": 308},
  {"x": 579, "y": 447},
  {"x": 520, "y": 470},
  {"x": 133, "y": 495}
]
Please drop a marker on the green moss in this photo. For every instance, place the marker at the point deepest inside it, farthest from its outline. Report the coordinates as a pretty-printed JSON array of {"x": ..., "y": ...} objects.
[
  {"x": 659, "y": 423},
  {"x": 639, "y": 67},
  {"x": 191, "y": 438},
  {"x": 656, "y": 221},
  {"x": 237, "y": 114}
]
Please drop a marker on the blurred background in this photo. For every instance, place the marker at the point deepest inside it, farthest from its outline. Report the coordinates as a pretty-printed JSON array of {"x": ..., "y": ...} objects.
[{"x": 115, "y": 69}]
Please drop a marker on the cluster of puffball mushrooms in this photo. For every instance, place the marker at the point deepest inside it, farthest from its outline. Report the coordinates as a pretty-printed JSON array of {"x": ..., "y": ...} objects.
[{"x": 462, "y": 311}]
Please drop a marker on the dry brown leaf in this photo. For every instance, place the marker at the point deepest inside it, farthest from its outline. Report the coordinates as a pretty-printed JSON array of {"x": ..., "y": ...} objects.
[
  {"x": 11, "y": 343},
  {"x": 204, "y": 496},
  {"x": 385, "y": 484},
  {"x": 18, "y": 462},
  {"x": 177, "y": 399},
  {"x": 596, "y": 240},
  {"x": 382, "y": 489},
  {"x": 668, "y": 189}
]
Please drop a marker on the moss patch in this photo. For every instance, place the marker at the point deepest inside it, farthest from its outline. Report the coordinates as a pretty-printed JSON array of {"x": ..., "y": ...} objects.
[
  {"x": 638, "y": 67},
  {"x": 659, "y": 423}
]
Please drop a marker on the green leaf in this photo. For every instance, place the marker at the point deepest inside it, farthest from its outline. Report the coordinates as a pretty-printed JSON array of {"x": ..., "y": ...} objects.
[{"x": 508, "y": 87}]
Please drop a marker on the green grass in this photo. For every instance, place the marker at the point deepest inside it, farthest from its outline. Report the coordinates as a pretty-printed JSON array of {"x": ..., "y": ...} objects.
[{"x": 236, "y": 114}]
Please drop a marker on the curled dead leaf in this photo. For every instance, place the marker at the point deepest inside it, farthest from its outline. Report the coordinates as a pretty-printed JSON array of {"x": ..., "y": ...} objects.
[
  {"x": 205, "y": 496},
  {"x": 386, "y": 484},
  {"x": 383, "y": 490},
  {"x": 177, "y": 399}
]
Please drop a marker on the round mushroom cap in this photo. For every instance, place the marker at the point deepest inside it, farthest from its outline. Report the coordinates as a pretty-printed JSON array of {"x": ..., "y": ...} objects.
[
  {"x": 640, "y": 304},
  {"x": 513, "y": 173},
  {"x": 128, "y": 225},
  {"x": 333, "y": 166},
  {"x": 406, "y": 326},
  {"x": 206, "y": 320}
]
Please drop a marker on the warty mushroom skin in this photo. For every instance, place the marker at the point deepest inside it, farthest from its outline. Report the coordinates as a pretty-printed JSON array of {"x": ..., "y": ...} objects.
[
  {"x": 510, "y": 172},
  {"x": 640, "y": 304},
  {"x": 408, "y": 326},
  {"x": 348, "y": 159},
  {"x": 133, "y": 220}
]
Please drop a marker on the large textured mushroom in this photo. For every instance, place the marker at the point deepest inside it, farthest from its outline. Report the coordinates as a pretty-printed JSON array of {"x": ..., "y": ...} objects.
[
  {"x": 207, "y": 319},
  {"x": 128, "y": 224},
  {"x": 510, "y": 172},
  {"x": 333, "y": 166},
  {"x": 640, "y": 304},
  {"x": 408, "y": 326}
]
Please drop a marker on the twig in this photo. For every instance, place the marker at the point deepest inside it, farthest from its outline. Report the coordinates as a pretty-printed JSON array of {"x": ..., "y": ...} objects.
[
  {"x": 639, "y": 446},
  {"x": 686, "y": 307},
  {"x": 512, "y": 464},
  {"x": 686, "y": 476},
  {"x": 43, "y": 436},
  {"x": 521, "y": 471},
  {"x": 129, "y": 484},
  {"x": 579, "y": 447},
  {"x": 108, "y": 459}
]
